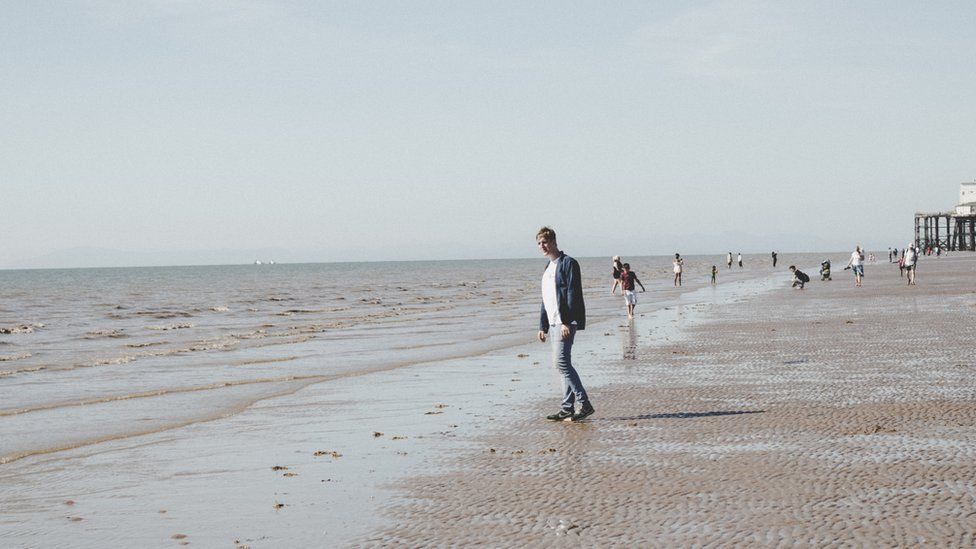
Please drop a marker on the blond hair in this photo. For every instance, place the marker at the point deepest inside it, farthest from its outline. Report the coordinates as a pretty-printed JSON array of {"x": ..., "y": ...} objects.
[{"x": 546, "y": 233}]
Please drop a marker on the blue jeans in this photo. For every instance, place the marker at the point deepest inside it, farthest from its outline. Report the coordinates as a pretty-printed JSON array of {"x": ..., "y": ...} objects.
[{"x": 562, "y": 357}]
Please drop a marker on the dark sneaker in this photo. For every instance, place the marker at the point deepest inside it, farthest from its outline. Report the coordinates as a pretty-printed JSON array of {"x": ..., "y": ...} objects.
[
  {"x": 561, "y": 415},
  {"x": 586, "y": 411}
]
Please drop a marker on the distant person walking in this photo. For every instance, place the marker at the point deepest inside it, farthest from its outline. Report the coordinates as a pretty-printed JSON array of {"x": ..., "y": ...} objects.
[
  {"x": 564, "y": 311},
  {"x": 617, "y": 268},
  {"x": 627, "y": 280},
  {"x": 740, "y": 260},
  {"x": 728, "y": 260},
  {"x": 857, "y": 264},
  {"x": 774, "y": 259},
  {"x": 678, "y": 267},
  {"x": 911, "y": 261},
  {"x": 714, "y": 274}
]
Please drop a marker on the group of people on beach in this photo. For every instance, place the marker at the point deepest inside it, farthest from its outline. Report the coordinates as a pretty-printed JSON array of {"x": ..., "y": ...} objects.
[
  {"x": 564, "y": 312},
  {"x": 626, "y": 279},
  {"x": 906, "y": 263}
]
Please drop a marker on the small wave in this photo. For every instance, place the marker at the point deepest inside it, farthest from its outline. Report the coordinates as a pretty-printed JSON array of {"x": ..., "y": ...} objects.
[
  {"x": 265, "y": 360},
  {"x": 207, "y": 346},
  {"x": 256, "y": 334},
  {"x": 22, "y": 329},
  {"x": 281, "y": 299},
  {"x": 8, "y": 358},
  {"x": 113, "y": 361},
  {"x": 291, "y": 312},
  {"x": 5, "y": 373},
  {"x": 219, "y": 309},
  {"x": 172, "y": 327},
  {"x": 146, "y": 344},
  {"x": 106, "y": 333},
  {"x": 165, "y": 314}
]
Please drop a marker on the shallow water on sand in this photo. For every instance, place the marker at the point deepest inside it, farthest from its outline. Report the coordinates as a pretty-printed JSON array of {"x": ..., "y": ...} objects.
[
  {"x": 406, "y": 339},
  {"x": 99, "y": 354}
]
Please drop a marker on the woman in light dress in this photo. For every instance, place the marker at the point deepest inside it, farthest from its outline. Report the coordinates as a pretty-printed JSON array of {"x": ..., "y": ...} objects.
[{"x": 678, "y": 267}]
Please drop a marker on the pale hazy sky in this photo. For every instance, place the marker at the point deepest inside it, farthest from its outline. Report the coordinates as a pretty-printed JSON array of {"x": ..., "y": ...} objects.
[{"x": 398, "y": 130}]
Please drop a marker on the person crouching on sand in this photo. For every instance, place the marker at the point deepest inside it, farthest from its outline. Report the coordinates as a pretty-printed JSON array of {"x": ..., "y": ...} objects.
[
  {"x": 627, "y": 280},
  {"x": 799, "y": 277},
  {"x": 564, "y": 311}
]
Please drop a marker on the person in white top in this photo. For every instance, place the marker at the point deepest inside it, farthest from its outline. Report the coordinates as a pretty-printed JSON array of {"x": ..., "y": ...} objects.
[
  {"x": 911, "y": 258},
  {"x": 678, "y": 266},
  {"x": 564, "y": 312},
  {"x": 857, "y": 264}
]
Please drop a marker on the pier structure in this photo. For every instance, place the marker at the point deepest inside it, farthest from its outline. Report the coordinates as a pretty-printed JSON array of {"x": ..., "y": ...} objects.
[{"x": 954, "y": 230}]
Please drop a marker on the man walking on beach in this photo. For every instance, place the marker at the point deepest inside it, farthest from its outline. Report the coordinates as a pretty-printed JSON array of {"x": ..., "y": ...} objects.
[
  {"x": 564, "y": 311},
  {"x": 774, "y": 259},
  {"x": 728, "y": 260},
  {"x": 627, "y": 280},
  {"x": 911, "y": 259}
]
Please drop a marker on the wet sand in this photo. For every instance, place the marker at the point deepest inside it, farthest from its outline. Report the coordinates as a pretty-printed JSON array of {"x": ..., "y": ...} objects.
[
  {"x": 317, "y": 466},
  {"x": 747, "y": 414},
  {"x": 832, "y": 415}
]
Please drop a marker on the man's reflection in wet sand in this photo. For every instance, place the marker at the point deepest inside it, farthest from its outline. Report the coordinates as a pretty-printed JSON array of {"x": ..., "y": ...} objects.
[{"x": 629, "y": 341}]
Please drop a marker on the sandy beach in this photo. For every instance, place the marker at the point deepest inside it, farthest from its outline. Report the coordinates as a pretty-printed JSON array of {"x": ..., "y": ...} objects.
[
  {"x": 743, "y": 414},
  {"x": 831, "y": 415}
]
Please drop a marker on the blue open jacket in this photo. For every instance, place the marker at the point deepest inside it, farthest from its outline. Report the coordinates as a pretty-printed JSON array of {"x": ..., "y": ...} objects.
[{"x": 569, "y": 295}]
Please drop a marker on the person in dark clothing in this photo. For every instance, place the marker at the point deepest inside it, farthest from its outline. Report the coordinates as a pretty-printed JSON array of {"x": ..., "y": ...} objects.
[
  {"x": 617, "y": 268},
  {"x": 564, "y": 311},
  {"x": 799, "y": 277}
]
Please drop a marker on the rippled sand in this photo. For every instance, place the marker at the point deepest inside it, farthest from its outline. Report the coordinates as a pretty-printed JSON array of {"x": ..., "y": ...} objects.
[{"x": 832, "y": 415}]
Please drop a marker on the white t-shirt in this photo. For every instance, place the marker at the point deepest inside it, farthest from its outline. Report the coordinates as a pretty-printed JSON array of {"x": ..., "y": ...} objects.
[
  {"x": 549, "y": 294},
  {"x": 910, "y": 257},
  {"x": 855, "y": 258}
]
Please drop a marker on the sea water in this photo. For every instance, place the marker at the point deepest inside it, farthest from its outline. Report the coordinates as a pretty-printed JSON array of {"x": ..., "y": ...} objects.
[
  {"x": 394, "y": 365},
  {"x": 90, "y": 355}
]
